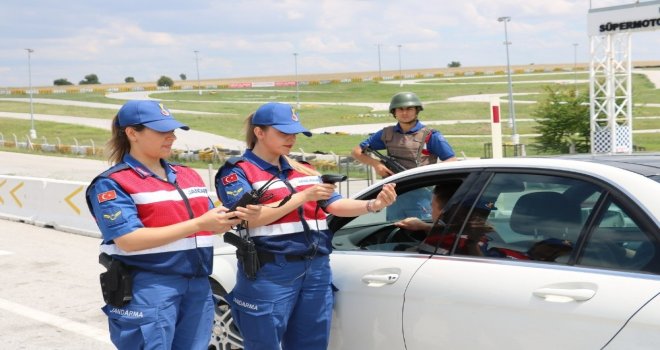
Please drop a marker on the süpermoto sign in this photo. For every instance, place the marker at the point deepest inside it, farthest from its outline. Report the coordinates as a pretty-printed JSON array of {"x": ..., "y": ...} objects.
[{"x": 637, "y": 17}]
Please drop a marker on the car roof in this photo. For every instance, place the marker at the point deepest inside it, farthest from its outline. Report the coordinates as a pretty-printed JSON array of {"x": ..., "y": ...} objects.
[{"x": 646, "y": 164}]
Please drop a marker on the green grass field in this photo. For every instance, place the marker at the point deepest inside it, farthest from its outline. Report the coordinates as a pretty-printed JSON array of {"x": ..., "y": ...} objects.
[{"x": 235, "y": 105}]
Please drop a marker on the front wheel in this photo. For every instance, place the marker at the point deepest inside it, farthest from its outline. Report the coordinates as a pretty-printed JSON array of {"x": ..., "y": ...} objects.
[{"x": 225, "y": 334}]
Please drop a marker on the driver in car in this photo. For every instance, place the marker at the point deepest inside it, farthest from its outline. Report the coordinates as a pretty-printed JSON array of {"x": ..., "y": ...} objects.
[
  {"x": 474, "y": 242},
  {"x": 475, "y": 239}
]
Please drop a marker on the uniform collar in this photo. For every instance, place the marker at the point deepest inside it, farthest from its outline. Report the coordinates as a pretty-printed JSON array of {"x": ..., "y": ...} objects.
[
  {"x": 144, "y": 172},
  {"x": 414, "y": 129},
  {"x": 264, "y": 165}
]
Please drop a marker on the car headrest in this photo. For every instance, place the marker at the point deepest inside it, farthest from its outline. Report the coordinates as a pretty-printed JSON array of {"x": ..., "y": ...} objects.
[{"x": 548, "y": 214}]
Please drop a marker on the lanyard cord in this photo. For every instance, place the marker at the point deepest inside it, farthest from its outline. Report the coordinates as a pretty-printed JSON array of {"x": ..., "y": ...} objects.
[
  {"x": 258, "y": 195},
  {"x": 191, "y": 214},
  {"x": 244, "y": 226}
]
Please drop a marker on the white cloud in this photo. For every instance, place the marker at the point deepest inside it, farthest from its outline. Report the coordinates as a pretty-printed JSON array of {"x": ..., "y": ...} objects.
[{"x": 258, "y": 37}]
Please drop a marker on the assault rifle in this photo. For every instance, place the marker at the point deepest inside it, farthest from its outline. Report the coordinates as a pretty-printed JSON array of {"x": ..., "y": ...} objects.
[{"x": 389, "y": 162}]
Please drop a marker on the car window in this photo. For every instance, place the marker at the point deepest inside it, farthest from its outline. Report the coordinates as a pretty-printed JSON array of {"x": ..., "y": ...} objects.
[
  {"x": 381, "y": 231},
  {"x": 618, "y": 242},
  {"x": 383, "y": 235},
  {"x": 368, "y": 219},
  {"x": 526, "y": 216}
]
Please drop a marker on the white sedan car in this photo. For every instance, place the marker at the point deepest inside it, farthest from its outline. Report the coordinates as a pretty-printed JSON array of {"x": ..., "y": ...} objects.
[{"x": 567, "y": 256}]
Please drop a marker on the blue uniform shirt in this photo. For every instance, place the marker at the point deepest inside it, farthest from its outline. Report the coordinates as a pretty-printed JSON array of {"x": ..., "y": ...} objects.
[
  {"x": 232, "y": 192},
  {"x": 231, "y": 183},
  {"x": 437, "y": 144}
]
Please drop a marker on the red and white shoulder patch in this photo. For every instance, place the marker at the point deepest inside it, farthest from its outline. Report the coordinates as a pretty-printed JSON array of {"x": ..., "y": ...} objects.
[
  {"x": 106, "y": 196},
  {"x": 231, "y": 178}
]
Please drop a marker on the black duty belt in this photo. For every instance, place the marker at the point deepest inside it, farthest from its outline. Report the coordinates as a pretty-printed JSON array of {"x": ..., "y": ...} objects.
[{"x": 267, "y": 257}]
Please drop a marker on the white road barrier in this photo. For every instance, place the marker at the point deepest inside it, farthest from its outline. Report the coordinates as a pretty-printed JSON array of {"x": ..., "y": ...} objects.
[{"x": 49, "y": 203}]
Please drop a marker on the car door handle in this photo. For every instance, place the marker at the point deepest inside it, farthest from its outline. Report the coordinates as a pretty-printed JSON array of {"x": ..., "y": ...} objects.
[
  {"x": 564, "y": 295},
  {"x": 379, "y": 280}
]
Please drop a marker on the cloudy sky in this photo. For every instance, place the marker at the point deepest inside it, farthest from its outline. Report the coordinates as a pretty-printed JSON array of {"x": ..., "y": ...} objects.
[{"x": 146, "y": 39}]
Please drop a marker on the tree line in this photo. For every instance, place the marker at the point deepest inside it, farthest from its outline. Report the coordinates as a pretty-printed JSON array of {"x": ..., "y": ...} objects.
[{"x": 94, "y": 79}]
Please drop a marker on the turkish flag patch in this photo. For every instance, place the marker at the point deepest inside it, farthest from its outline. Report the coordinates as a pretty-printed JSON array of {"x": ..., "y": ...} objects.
[
  {"x": 229, "y": 179},
  {"x": 106, "y": 196}
]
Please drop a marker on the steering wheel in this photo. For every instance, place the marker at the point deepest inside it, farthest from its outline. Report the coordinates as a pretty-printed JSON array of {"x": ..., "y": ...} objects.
[
  {"x": 390, "y": 236},
  {"x": 406, "y": 234}
]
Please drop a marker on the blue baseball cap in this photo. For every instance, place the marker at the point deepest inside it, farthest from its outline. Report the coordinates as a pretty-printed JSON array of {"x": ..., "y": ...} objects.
[
  {"x": 151, "y": 114},
  {"x": 280, "y": 116}
]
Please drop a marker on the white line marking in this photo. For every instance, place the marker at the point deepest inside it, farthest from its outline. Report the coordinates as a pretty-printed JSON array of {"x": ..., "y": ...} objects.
[
  {"x": 56, "y": 321},
  {"x": 4, "y": 252}
]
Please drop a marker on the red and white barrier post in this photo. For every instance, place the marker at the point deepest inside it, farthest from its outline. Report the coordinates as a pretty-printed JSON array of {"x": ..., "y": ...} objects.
[{"x": 495, "y": 127}]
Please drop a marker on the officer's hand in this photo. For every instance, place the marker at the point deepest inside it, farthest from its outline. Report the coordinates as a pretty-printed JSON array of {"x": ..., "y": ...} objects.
[
  {"x": 382, "y": 170},
  {"x": 218, "y": 220},
  {"x": 385, "y": 197},
  {"x": 251, "y": 212},
  {"x": 318, "y": 192}
]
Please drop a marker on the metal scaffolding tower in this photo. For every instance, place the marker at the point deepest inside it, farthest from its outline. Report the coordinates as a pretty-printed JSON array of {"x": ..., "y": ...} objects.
[
  {"x": 611, "y": 93},
  {"x": 610, "y": 71}
]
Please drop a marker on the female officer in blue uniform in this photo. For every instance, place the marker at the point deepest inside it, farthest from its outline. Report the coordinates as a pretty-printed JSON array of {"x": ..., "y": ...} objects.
[
  {"x": 289, "y": 303},
  {"x": 158, "y": 220}
]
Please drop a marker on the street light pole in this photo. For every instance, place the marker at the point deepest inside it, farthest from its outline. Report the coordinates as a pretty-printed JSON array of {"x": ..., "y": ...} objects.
[
  {"x": 380, "y": 71},
  {"x": 512, "y": 109},
  {"x": 575, "y": 45},
  {"x": 295, "y": 63},
  {"x": 199, "y": 86},
  {"x": 33, "y": 131},
  {"x": 400, "y": 75}
]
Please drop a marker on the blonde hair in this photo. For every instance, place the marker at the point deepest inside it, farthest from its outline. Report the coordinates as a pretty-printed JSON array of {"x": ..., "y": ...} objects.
[{"x": 251, "y": 141}]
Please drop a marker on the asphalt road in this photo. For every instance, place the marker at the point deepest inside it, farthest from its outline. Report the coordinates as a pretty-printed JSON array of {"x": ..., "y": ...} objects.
[{"x": 49, "y": 291}]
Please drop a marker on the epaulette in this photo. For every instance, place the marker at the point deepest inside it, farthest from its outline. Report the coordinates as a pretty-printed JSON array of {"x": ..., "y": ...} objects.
[
  {"x": 115, "y": 168},
  {"x": 234, "y": 160}
]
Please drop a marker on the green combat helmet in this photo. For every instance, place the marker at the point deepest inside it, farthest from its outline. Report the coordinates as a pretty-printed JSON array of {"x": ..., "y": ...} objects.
[{"x": 405, "y": 99}]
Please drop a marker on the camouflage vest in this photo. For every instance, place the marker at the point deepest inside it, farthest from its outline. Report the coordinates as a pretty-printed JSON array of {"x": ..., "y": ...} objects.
[{"x": 407, "y": 148}]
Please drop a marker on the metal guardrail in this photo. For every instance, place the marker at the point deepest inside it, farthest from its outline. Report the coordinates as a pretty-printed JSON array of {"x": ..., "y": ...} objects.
[{"x": 43, "y": 145}]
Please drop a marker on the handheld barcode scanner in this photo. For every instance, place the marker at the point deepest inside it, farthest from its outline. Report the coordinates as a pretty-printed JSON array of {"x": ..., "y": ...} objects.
[{"x": 333, "y": 178}]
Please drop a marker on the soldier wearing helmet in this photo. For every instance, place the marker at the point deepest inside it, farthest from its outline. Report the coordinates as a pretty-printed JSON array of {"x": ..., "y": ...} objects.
[
  {"x": 405, "y": 99},
  {"x": 411, "y": 144}
]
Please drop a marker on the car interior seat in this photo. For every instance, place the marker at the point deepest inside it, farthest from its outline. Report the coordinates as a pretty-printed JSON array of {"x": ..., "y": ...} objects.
[{"x": 547, "y": 216}]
